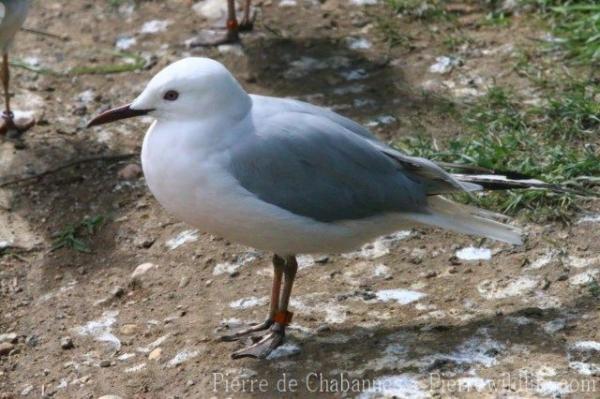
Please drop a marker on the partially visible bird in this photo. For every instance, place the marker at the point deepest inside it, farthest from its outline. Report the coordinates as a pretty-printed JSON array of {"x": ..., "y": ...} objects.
[
  {"x": 232, "y": 27},
  {"x": 12, "y": 16},
  {"x": 287, "y": 177}
]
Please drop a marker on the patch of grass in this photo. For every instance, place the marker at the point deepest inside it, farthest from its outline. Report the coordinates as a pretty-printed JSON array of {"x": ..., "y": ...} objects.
[
  {"x": 129, "y": 62},
  {"x": 594, "y": 288},
  {"x": 421, "y": 9},
  {"x": 76, "y": 236},
  {"x": 454, "y": 41},
  {"x": 574, "y": 112},
  {"x": 390, "y": 28},
  {"x": 535, "y": 141},
  {"x": 576, "y": 23},
  {"x": 115, "y": 3}
]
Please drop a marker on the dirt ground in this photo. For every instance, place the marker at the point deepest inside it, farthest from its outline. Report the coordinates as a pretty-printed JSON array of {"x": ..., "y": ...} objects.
[{"x": 408, "y": 316}]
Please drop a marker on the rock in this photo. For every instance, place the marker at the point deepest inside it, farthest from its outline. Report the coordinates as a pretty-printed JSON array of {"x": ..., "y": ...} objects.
[
  {"x": 141, "y": 270},
  {"x": 185, "y": 280},
  {"x": 129, "y": 329},
  {"x": 145, "y": 242},
  {"x": 66, "y": 343},
  {"x": 155, "y": 354},
  {"x": 27, "y": 390},
  {"x": 9, "y": 337},
  {"x": 5, "y": 348},
  {"x": 322, "y": 260},
  {"x": 117, "y": 292},
  {"x": 104, "y": 363},
  {"x": 430, "y": 274},
  {"x": 417, "y": 256},
  {"x": 80, "y": 110},
  {"x": 110, "y": 397},
  {"x": 130, "y": 172},
  {"x": 32, "y": 341}
]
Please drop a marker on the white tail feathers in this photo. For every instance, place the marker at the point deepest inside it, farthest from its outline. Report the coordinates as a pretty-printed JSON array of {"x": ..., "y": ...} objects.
[{"x": 466, "y": 219}]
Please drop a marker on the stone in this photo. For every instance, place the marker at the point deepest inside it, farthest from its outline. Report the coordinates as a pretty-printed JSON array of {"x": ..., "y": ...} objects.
[
  {"x": 104, "y": 363},
  {"x": 130, "y": 172},
  {"x": 142, "y": 269},
  {"x": 32, "y": 341},
  {"x": 66, "y": 343},
  {"x": 110, "y": 397},
  {"x": 9, "y": 337},
  {"x": 5, "y": 348},
  {"x": 117, "y": 292},
  {"x": 129, "y": 329},
  {"x": 155, "y": 354},
  {"x": 185, "y": 280}
]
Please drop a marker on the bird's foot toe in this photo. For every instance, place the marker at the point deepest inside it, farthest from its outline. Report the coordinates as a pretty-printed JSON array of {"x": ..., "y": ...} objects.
[
  {"x": 264, "y": 346},
  {"x": 236, "y": 335},
  {"x": 246, "y": 25},
  {"x": 12, "y": 127}
]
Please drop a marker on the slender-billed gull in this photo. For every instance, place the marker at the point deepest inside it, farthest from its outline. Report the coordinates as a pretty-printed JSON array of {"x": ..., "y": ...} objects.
[
  {"x": 285, "y": 176},
  {"x": 12, "y": 17}
]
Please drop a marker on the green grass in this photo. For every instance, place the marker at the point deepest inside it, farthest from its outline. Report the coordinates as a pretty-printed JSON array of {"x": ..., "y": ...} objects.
[
  {"x": 423, "y": 9},
  {"x": 76, "y": 236},
  {"x": 594, "y": 288},
  {"x": 389, "y": 27},
  {"x": 546, "y": 142},
  {"x": 128, "y": 62},
  {"x": 576, "y": 23}
]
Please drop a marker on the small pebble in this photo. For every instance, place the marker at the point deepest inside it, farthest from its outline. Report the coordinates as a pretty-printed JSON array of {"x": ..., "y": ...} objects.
[
  {"x": 104, "y": 363},
  {"x": 142, "y": 269},
  {"x": 5, "y": 348},
  {"x": 129, "y": 329},
  {"x": 130, "y": 172},
  {"x": 155, "y": 354},
  {"x": 117, "y": 292},
  {"x": 32, "y": 341},
  {"x": 66, "y": 343},
  {"x": 185, "y": 280},
  {"x": 8, "y": 337}
]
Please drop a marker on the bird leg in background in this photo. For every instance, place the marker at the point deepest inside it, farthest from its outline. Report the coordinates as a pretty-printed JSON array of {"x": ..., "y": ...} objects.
[
  {"x": 278, "y": 266},
  {"x": 247, "y": 22},
  {"x": 274, "y": 337},
  {"x": 231, "y": 36},
  {"x": 8, "y": 125}
]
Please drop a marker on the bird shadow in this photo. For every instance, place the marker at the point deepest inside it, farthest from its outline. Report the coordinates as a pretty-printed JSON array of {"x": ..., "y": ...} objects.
[{"x": 429, "y": 350}]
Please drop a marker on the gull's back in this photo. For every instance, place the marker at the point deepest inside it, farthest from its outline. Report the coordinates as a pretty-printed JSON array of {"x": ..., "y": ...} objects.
[{"x": 13, "y": 14}]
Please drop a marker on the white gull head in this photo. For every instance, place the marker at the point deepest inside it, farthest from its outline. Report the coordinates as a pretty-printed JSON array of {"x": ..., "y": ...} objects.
[
  {"x": 193, "y": 89},
  {"x": 190, "y": 90}
]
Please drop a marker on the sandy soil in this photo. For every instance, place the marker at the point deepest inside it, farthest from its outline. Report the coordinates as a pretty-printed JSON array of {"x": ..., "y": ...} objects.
[{"x": 406, "y": 316}]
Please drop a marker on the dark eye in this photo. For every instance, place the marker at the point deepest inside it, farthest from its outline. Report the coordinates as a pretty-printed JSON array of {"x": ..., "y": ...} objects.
[{"x": 171, "y": 95}]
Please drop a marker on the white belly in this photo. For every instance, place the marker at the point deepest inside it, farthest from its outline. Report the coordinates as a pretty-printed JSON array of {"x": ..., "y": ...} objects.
[{"x": 197, "y": 189}]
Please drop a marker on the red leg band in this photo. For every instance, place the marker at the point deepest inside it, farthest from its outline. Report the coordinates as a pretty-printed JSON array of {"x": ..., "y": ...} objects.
[
  {"x": 283, "y": 317},
  {"x": 232, "y": 24}
]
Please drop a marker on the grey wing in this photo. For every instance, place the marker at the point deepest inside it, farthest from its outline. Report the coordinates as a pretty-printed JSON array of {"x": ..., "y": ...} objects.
[
  {"x": 436, "y": 179},
  {"x": 293, "y": 105},
  {"x": 314, "y": 167}
]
